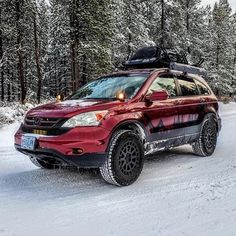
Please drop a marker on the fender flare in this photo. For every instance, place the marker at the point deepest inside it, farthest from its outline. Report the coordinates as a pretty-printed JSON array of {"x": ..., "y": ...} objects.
[{"x": 132, "y": 124}]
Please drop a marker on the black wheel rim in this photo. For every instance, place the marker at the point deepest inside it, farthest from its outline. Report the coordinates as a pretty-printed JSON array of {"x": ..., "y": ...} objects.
[
  {"x": 210, "y": 137},
  {"x": 129, "y": 158}
]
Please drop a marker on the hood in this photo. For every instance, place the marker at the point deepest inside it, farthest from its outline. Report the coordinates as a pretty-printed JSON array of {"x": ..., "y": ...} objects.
[{"x": 70, "y": 108}]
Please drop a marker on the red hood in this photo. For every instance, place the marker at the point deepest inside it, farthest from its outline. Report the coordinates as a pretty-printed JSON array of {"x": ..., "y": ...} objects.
[{"x": 70, "y": 108}]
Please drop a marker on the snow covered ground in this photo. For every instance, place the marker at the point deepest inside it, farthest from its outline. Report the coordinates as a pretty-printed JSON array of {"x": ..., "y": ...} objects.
[{"x": 177, "y": 194}]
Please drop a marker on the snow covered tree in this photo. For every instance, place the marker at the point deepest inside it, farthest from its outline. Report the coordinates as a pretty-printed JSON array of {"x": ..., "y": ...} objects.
[
  {"x": 233, "y": 33},
  {"x": 188, "y": 27},
  {"x": 131, "y": 28},
  {"x": 41, "y": 38},
  {"x": 91, "y": 38},
  {"x": 1, "y": 55},
  {"x": 20, "y": 33},
  {"x": 11, "y": 45},
  {"x": 220, "y": 48},
  {"x": 79, "y": 45},
  {"x": 47, "y": 50},
  {"x": 58, "y": 66}
]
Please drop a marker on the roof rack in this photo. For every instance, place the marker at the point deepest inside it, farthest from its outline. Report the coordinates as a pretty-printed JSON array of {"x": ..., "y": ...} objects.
[
  {"x": 188, "y": 69},
  {"x": 159, "y": 57}
]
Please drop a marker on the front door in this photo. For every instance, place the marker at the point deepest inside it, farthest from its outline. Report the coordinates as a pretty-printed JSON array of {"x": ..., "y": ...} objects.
[{"x": 162, "y": 115}]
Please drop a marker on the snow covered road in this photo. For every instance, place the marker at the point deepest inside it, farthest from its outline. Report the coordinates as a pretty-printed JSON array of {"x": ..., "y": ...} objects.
[{"x": 177, "y": 194}]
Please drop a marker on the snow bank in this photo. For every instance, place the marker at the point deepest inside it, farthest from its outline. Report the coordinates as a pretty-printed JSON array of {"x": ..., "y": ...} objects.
[
  {"x": 7, "y": 134},
  {"x": 11, "y": 112}
]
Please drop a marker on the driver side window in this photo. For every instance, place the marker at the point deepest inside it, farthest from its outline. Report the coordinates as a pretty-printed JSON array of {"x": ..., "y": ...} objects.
[{"x": 164, "y": 83}]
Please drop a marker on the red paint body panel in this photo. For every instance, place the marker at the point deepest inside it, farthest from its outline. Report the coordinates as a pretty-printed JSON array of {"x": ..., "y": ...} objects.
[{"x": 90, "y": 140}]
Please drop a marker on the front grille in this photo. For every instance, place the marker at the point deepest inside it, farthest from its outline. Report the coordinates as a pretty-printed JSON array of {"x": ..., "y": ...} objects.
[
  {"x": 45, "y": 126},
  {"x": 42, "y": 122}
]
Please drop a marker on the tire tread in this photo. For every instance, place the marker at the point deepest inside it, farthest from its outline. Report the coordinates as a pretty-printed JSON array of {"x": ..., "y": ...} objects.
[{"x": 106, "y": 170}]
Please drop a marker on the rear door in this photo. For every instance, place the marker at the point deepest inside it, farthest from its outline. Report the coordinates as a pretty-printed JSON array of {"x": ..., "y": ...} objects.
[{"x": 189, "y": 106}]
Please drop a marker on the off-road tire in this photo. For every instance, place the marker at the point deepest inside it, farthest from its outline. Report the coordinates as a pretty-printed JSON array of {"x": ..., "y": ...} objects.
[
  {"x": 206, "y": 143},
  {"x": 125, "y": 159},
  {"x": 43, "y": 164}
]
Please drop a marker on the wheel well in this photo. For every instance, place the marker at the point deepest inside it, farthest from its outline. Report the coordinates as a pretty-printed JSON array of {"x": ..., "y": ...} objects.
[{"x": 137, "y": 127}]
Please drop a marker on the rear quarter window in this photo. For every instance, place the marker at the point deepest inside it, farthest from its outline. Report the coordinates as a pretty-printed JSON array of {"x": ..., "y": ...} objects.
[
  {"x": 202, "y": 88},
  {"x": 188, "y": 86}
]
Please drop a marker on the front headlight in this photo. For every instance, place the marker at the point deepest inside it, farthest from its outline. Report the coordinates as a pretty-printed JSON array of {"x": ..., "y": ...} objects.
[{"x": 93, "y": 118}]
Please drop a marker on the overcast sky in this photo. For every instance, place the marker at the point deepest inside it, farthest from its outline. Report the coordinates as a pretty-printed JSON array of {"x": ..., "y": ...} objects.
[{"x": 211, "y": 2}]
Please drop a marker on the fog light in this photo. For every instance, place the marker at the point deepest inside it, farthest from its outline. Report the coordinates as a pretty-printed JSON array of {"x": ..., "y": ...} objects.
[{"x": 77, "y": 151}]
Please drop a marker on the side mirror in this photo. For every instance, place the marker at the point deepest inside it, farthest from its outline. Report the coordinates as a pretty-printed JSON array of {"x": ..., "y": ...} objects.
[{"x": 157, "y": 96}]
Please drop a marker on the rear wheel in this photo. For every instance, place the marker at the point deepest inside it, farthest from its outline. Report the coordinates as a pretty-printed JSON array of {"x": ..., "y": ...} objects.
[
  {"x": 43, "y": 164},
  {"x": 206, "y": 143},
  {"x": 124, "y": 163}
]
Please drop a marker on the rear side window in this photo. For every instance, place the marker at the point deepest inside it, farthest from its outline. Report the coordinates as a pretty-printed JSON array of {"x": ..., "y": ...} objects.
[
  {"x": 164, "y": 83},
  {"x": 187, "y": 86},
  {"x": 202, "y": 88}
]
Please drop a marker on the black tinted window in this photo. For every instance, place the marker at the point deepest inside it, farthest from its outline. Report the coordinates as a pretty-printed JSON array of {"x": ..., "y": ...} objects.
[
  {"x": 164, "y": 83},
  {"x": 202, "y": 88},
  {"x": 187, "y": 86}
]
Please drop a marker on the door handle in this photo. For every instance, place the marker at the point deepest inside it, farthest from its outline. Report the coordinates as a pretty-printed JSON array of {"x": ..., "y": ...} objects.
[
  {"x": 178, "y": 102},
  {"x": 202, "y": 100}
]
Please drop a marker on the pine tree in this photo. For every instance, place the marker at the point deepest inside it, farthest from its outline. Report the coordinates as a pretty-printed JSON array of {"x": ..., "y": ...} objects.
[
  {"x": 40, "y": 22},
  {"x": 1, "y": 55},
  {"x": 47, "y": 50},
  {"x": 91, "y": 38},
  {"x": 58, "y": 64},
  {"x": 131, "y": 23},
  {"x": 220, "y": 59},
  {"x": 233, "y": 33},
  {"x": 188, "y": 27}
]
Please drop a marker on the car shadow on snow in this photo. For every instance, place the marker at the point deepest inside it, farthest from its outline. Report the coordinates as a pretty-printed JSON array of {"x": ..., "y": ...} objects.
[{"x": 50, "y": 184}]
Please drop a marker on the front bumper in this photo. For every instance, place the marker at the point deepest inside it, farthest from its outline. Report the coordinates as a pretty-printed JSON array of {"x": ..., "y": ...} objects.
[
  {"x": 93, "y": 142},
  {"x": 89, "y": 160}
]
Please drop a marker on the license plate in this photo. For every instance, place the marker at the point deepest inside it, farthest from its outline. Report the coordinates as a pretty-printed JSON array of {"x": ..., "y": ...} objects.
[{"x": 28, "y": 142}]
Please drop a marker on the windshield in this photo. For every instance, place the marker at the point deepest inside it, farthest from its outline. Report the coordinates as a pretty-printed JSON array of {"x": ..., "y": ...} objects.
[{"x": 109, "y": 87}]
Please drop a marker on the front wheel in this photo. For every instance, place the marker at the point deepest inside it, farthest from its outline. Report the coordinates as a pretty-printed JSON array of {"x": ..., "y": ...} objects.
[
  {"x": 206, "y": 143},
  {"x": 125, "y": 159}
]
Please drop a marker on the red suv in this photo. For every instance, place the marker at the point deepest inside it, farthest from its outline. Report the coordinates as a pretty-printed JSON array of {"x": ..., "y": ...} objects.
[{"x": 112, "y": 123}]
